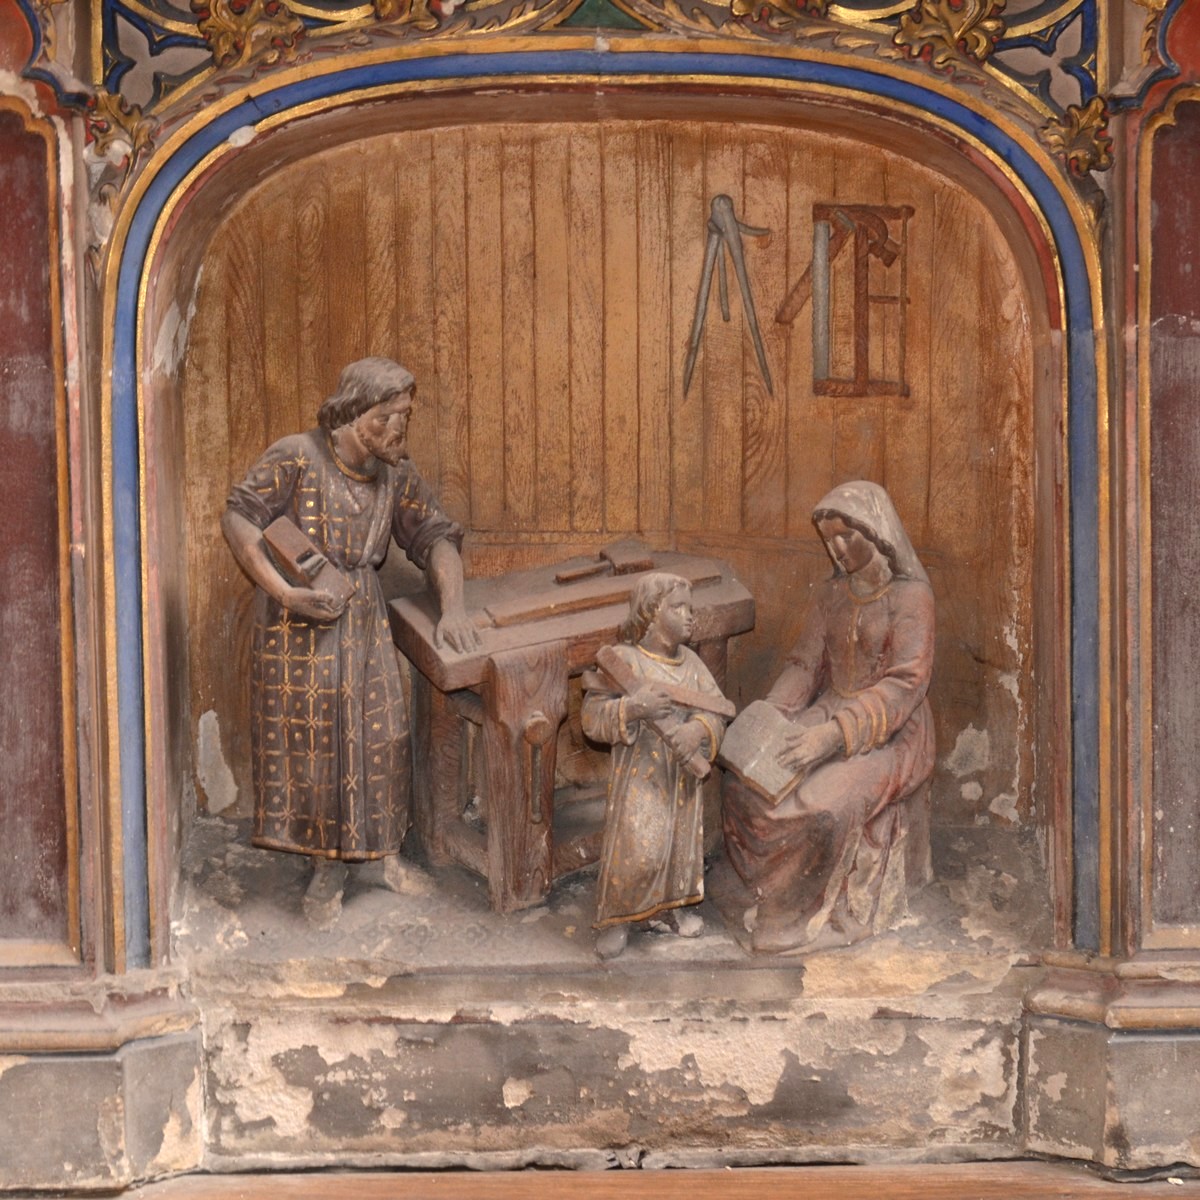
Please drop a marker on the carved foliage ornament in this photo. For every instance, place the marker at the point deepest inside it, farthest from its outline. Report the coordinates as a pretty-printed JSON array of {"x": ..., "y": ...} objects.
[
  {"x": 238, "y": 31},
  {"x": 119, "y": 137},
  {"x": 1153, "y": 26},
  {"x": 116, "y": 125},
  {"x": 406, "y": 12},
  {"x": 775, "y": 12},
  {"x": 947, "y": 31},
  {"x": 1081, "y": 137}
]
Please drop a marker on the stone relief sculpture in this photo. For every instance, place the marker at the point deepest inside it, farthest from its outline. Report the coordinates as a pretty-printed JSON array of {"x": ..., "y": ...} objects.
[
  {"x": 660, "y": 708},
  {"x": 310, "y": 524},
  {"x": 817, "y": 833}
]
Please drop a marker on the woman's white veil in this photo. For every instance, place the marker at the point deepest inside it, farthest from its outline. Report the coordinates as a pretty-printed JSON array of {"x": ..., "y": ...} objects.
[{"x": 869, "y": 507}]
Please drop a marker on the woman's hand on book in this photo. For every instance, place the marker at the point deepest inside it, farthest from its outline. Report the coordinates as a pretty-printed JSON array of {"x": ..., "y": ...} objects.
[{"x": 811, "y": 745}]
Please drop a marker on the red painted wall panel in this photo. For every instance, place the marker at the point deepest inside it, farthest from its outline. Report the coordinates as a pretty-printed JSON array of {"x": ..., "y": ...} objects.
[
  {"x": 33, "y": 837},
  {"x": 1175, "y": 515}
]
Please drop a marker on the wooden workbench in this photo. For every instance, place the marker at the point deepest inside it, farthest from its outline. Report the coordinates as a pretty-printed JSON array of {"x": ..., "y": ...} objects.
[{"x": 535, "y": 634}]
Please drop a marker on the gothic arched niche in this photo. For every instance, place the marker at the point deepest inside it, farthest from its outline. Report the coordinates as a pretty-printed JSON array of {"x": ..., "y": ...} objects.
[
  {"x": 534, "y": 259},
  {"x": 539, "y": 277}
]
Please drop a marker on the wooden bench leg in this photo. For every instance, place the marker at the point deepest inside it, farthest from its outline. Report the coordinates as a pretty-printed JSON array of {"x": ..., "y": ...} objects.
[
  {"x": 437, "y": 769},
  {"x": 525, "y": 700}
]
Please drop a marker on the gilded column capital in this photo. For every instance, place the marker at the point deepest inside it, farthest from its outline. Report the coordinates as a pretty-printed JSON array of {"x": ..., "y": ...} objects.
[{"x": 1080, "y": 137}]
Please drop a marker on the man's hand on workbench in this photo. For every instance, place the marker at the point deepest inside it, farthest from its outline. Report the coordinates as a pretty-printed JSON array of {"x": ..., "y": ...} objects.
[{"x": 458, "y": 631}]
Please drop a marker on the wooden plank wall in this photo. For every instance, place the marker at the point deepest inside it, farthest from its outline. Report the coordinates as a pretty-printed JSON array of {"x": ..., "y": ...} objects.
[{"x": 540, "y": 283}]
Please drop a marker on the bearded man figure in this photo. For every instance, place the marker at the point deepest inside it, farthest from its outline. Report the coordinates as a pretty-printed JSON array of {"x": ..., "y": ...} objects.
[{"x": 330, "y": 737}]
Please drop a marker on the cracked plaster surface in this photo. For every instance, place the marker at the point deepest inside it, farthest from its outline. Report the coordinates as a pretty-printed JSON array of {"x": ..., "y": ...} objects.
[{"x": 427, "y": 1025}]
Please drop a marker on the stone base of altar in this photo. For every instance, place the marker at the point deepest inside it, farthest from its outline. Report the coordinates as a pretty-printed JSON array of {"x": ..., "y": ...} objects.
[
  {"x": 1113, "y": 1059},
  {"x": 99, "y": 1091},
  {"x": 426, "y": 1030}
]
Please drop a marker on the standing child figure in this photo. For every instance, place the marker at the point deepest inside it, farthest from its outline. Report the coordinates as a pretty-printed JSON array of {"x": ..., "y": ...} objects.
[{"x": 652, "y": 861}]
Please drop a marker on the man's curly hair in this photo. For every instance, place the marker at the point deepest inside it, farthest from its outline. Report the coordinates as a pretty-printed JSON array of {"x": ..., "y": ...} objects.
[{"x": 364, "y": 384}]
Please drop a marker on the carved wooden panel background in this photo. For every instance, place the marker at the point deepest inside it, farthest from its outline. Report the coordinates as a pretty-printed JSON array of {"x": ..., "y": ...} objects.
[{"x": 540, "y": 283}]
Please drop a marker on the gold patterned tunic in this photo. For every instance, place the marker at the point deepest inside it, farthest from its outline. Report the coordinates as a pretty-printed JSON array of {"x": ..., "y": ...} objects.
[
  {"x": 653, "y": 853},
  {"x": 330, "y": 732}
]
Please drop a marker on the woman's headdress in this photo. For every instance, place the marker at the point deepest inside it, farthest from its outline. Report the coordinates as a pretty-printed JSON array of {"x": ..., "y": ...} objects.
[{"x": 868, "y": 508}]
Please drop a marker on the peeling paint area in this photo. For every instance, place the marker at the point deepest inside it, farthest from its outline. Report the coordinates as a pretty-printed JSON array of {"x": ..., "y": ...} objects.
[
  {"x": 972, "y": 752},
  {"x": 1005, "y": 807},
  {"x": 182, "y": 1142},
  {"x": 985, "y": 763},
  {"x": 291, "y": 1086},
  {"x": 747, "y": 1060},
  {"x": 110, "y": 1129},
  {"x": 976, "y": 1080},
  {"x": 1065, "y": 1110},
  {"x": 245, "y": 1077},
  {"x": 517, "y": 1092},
  {"x": 164, "y": 1083},
  {"x": 283, "y": 1085},
  {"x": 212, "y": 771},
  {"x": 12, "y": 84}
]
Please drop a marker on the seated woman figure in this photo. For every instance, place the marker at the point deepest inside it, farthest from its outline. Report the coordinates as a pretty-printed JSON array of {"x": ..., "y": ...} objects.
[{"x": 855, "y": 688}]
